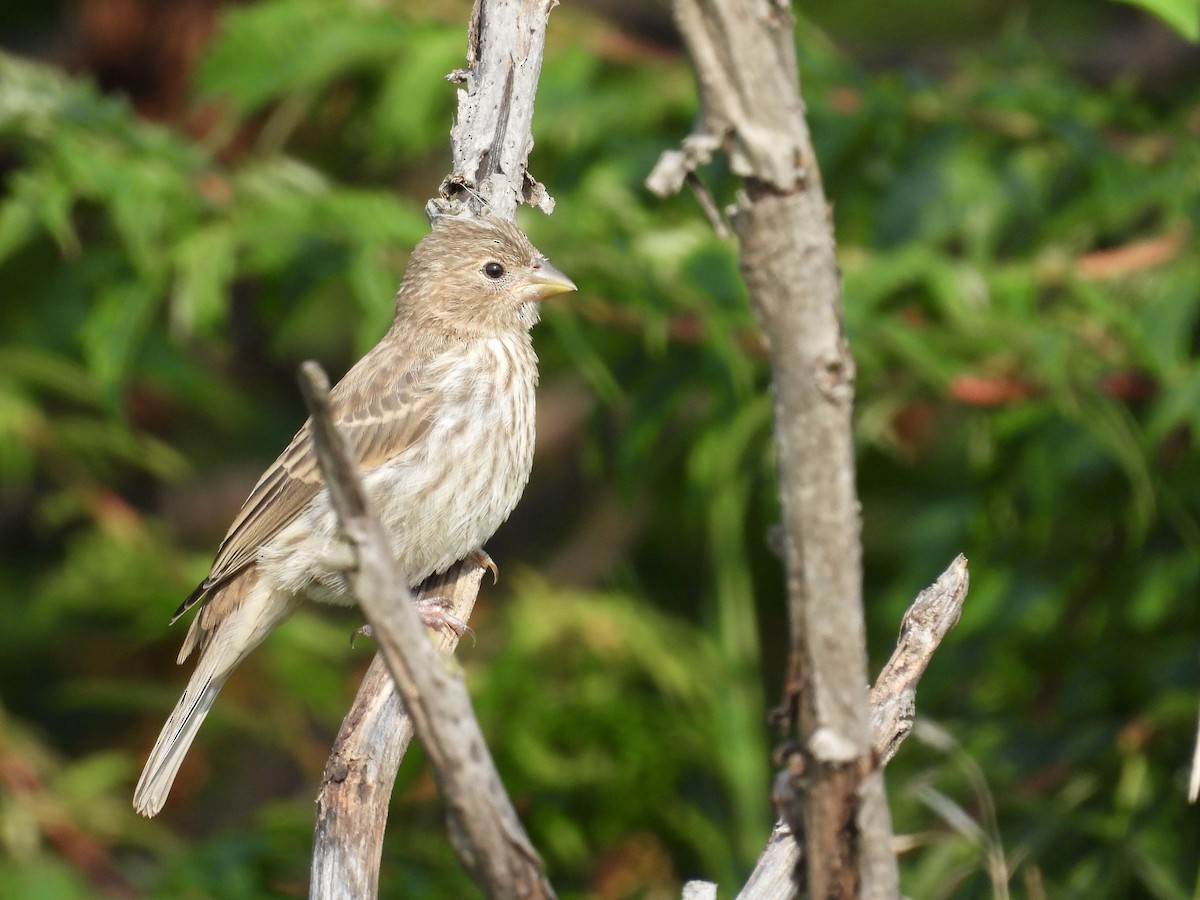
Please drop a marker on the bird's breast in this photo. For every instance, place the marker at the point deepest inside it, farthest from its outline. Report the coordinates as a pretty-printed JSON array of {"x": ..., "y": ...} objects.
[{"x": 447, "y": 494}]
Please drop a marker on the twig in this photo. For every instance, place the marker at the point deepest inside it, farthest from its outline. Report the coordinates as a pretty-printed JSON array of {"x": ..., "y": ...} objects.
[
  {"x": 981, "y": 824},
  {"x": 708, "y": 205},
  {"x": 893, "y": 706},
  {"x": 487, "y": 833},
  {"x": 928, "y": 620}
]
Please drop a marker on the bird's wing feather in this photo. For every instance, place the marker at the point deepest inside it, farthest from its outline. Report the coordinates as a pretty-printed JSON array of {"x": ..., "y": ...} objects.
[{"x": 382, "y": 412}]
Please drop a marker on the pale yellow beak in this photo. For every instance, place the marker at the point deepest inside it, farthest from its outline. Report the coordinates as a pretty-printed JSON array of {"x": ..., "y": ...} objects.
[{"x": 546, "y": 281}]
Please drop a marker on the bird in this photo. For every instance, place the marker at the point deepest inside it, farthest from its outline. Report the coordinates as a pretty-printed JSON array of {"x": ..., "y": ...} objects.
[{"x": 440, "y": 414}]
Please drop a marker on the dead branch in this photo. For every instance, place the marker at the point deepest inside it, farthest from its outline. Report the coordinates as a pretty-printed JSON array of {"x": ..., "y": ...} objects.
[
  {"x": 744, "y": 55},
  {"x": 356, "y": 788},
  {"x": 894, "y": 696},
  {"x": 893, "y": 707},
  {"x": 492, "y": 137},
  {"x": 490, "y": 145},
  {"x": 487, "y": 834}
]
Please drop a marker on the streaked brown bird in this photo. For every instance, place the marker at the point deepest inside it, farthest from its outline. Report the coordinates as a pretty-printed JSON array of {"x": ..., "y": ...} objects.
[{"x": 441, "y": 416}]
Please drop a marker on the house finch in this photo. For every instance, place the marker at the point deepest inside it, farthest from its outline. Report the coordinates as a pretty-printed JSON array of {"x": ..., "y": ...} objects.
[{"x": 441, "y": 416}]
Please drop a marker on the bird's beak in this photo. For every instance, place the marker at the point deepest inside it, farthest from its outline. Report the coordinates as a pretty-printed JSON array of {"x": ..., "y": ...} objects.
[{"x": 546, "y": 281}]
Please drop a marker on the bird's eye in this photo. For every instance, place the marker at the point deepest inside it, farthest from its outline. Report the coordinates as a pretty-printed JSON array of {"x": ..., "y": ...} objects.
[{"x": 493, "y": 270}]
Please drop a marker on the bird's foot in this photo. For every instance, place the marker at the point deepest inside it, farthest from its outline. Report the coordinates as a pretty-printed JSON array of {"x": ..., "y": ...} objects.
[
  {"x": 432, "y": 611},
  {"x": 481, "y": 559},
  {"x": 434, "y": 614}
]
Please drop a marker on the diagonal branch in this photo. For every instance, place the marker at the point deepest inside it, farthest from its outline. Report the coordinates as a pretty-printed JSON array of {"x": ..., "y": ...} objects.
[
  {"x": 356, "y": 788},
  {"x": 488, "y": 835},
  {"x": 894, "y": 695}
]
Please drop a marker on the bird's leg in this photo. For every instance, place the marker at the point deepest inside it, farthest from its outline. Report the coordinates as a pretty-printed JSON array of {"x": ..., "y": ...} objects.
[{"x": 481, "y": 559}]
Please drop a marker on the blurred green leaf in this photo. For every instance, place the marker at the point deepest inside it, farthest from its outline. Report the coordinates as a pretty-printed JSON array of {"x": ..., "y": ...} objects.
[
  {"x": 1182, "y": 15},
  {"x": 256, "y": 59}
]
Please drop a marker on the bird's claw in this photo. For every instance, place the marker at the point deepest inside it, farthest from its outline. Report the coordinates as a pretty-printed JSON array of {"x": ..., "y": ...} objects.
[
  {"x": 364, "y": 631},
  {"x": 481, "y": 559}
]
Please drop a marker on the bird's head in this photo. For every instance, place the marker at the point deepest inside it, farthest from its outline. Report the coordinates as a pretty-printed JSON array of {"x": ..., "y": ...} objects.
[{"x": 478, "y": 275}]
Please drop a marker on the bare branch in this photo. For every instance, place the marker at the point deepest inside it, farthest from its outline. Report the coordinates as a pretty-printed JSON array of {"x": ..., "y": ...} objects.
[
  {"x": 744, "y": 55},
  {"x": 492, "y": 137},
  {"x": 487, "y": 833},
  {"x": 490, "y": 145},
  {"x": 893, "y": 706},
  {"x": 928, "y": 620},
  {"x": 774, "y": 877},
  {"x": 356, "y": 788}
]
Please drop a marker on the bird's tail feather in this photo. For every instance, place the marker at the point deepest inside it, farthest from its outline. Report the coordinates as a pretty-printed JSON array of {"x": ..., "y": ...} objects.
[
  {"x": 232, "y": 623},
  {"x": 172, "y": 744}
]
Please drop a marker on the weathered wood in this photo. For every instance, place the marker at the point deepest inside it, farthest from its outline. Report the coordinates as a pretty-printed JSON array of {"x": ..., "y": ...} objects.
[
  {"x": 893, "y": 708},
  {"x": 356, "y": 788},
  {"x": 750, "y": 107},
  {"x": 492, "y": 138},
  {"x": 894, "y": 695},
  {"x": 490, "y": 145},
  {"x": 487, "y": 833}
]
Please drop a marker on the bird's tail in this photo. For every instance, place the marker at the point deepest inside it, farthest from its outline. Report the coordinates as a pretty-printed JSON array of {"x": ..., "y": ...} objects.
[
  {"x": 232, "y": 622},
  {"x": 172, "y": 744}
]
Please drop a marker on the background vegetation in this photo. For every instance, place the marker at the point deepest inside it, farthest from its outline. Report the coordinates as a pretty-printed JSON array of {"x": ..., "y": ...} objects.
[{"x": 214, "y": 195}]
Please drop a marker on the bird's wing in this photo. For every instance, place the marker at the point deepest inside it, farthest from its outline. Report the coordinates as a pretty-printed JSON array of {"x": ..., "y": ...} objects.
[{"x": 380, "y": 411}]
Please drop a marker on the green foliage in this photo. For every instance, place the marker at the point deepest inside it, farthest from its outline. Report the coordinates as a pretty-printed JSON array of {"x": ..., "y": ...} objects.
[
  {"x": 611, "y": 674},
  {"x": 1020, "y": 287},
  {"x": 1182, "y": 15}
]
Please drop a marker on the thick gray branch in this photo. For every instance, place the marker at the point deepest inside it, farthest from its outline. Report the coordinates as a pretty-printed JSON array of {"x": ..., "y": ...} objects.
[
  {"x": 488, "y": 835},
  {"x": 743, "y": 52}
]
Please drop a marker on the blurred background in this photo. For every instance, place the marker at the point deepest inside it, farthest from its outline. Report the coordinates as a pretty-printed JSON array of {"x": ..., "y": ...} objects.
[{"x": 198, "y": 195}]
